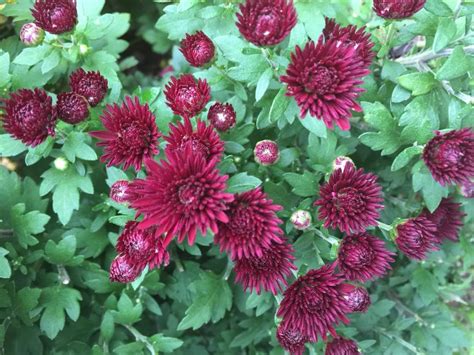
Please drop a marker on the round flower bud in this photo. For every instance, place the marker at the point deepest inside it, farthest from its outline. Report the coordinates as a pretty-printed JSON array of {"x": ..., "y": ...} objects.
[
  {"x": 72, "y": 108},
  {"x": 266, "y": 152},
  {"x": 198, "y": 49},
  {"x": 124, "y": 270},
  {"x": 222, "y": 116},
  {"x": 301, "y": 219},
  {"x": 467, "y": 189},
  {"x": 119, "y": 191},
  {"x": 357, "y": 298},
  {"x": 61, "y": 164},
  {"x": 31, "y": 35},
  {"x": 90, "y": 84},
  {"x": 341, "y": 162}
]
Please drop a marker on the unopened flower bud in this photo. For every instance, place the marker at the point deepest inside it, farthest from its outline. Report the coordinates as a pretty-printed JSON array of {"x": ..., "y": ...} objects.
[
  {"x": 31, "y": 35},
  {"x": 266, "y": 152},
  {"x": 301, "y": 219}
]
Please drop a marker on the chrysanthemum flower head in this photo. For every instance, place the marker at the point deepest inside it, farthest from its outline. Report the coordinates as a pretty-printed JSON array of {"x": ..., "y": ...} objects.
[
  {"x": 416, "y": 237},
  {"x": 341, "y": 346},
  {"x": 55, "y": 16},
  {"x": 72, "y": 108},
  {"x": 91, "y": 84},
  {"x": 397, "y": 9},
  {"x": 123, "y": 269},
  {"x": 357, "y": 298},
  {"x": 291, "y": 340},
  {"x": 198, "y": 49},
  {"x": 447, "y": 218},
  {"x": 222, "y": 116}
]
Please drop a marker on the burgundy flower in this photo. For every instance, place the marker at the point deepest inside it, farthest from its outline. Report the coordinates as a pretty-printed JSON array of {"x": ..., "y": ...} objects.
[
  {"x": 72, "y": 108},
  {"x": 447, "y": 218},
  {"x": 351, "y": 35},
  {"x": 222, "y": 116},
  {"x": 91, "y": 85},
  {"x": 357, "y": 298},
  {"x": 130, "y": 134},
  {"x": 266, "y": 22},
  {"x": 185, "y": 96},
  {"x": 323, "y": 78},
  {"x": 29, "y": 116},
  {"x": 268, "y": 271},
  {"x": 252, "y": 226},
  {"x": 416, "y": 237},
  {"x": 450, "y": 156},
  {"x": 467, "y": 189},
  {"x": 55, "y": 16},
  {"x": 363, "y": 257},
  {"x": 266, "y": 152},
  {"x": 142, "y": 246},
  {"x": 123, "y": 269},
  {"x": 291, "y": 340},
  {"x": 314, "y": 304},
  {"x": 119, "y": 192},
  {"x": 350, "y": 200},
  {"x": 397, "y": 9},
  {"x": 204, "y": 140},
  {"x": 181, "y": 195},
  {"x": 198, "y": 49},
  {"x": 31, "y": 35},
  {"x": 341, "y": 346}
]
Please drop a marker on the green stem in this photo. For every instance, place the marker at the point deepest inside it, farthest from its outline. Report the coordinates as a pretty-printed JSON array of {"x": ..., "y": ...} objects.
[
  {"x": 228, "y": 269},
  {"x": 385, "y": 227},
  {"x": 141, "y": 338},
  {"x": 401, "y": 341}
]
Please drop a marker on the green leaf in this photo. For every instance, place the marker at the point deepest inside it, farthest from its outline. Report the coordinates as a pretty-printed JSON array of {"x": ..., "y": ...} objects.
[
  {"x": 9, "y": 146},
  {"x": 62, "y": 252},
  {"x": 242, "y": 182},
  {"x": 438, "y": 7},
  {"x": 127, "y": 312},
  {"x": 5, "y": 269},
  {"x": 279, "y": 105},
  {"x": 213, "y": 299},
  {"x": 263, "y": 83},
  {"x": 445, "y": 33},
  {"x": 25, "y": 301},
  {"x": 76, "y": 146},
  {"x": 164, "y": 343},
  {"x": 420, "y": 119},
  {"x": 457, "y": 64},
  {"x": 26, "y": 225},
  {"x": 314, "y": 125},
  {"x": 432, "y": 192},
  {"x": 405, "y": 156},
  {"x": 304, "y": 185},
  {"x": 31, "y": 56},
  {"x": 418, "y": 83},
  {"x": 4, "y": 70},
  {"x": 177, "y": 23},
  {"x": 309, "y": 13},
  {"x": 249, "y": 69},
  {"x": 50, "y": 62},
  {"x": 426, "y": 284},
  {"x": 107, "y": 326}
]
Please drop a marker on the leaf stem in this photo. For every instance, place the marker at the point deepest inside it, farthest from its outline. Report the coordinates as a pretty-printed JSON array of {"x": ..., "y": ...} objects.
[
  {"x": 141, "y": 338},
  {"x": 426, "y": 56},
  {"x": 399, "y": 340}
]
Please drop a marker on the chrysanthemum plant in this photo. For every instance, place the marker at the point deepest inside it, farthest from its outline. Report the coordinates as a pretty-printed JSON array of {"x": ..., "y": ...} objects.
[{"x": 288, "y": 176}]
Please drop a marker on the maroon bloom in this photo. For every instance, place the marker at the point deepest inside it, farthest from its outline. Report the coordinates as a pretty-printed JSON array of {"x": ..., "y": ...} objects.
[
  {"x": 291, "y": 340},
  {"x": 91, "y": 85},
  {"x": 222, "y": 116},
  {"x": 268, "y": 271},
  {"x": 31, "y": 35},
  {"x": 252, "y": 226},
  {"x": 203, "y": 140},
  {"x": 123, "y": 269},
  {"x": 357, "y": 298},
  {"x": 323, "y": 78},
  {"x": 362, "y": 257},
  {"x": 350, "y": 200},
  {"x": 351, "y": 35},
  {"x": 266, "y": 152},
  {"x": 341, "y": 346},
  {"x": 416, "y": 237},
  {"x": 181, "y": 195},
  {"x": 142, "y": 246},
  {"x": 314, "y": 304},
  {"x": 72, "y": 108},
  {"x": 131, "y": 134},
  {"x": 185, "y": 96},
  {"x": 447, "y": 218},
  {"x": 198, "y": 49},
  {"x": 266, "y": 22},
  {"x": 119, "y": 192},
  {"x": 55, "y": 16},
  {"x": 29, "y": 116},
  {"x": 467, "y": 189},
  {"x": 450, "y": 156},
  {"x": 397, "y": 9}
]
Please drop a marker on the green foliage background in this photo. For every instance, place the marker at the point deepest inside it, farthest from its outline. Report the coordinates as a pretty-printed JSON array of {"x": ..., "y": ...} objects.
[{"x": 58, "y": 226}]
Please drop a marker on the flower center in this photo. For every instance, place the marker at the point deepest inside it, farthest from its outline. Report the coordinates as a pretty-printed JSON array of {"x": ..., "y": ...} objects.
[
  {"x": 267, "y": 22},
  {"x": 355, "y": 299},
  {"x": 190, "y": 193},
  {"x": 348, "y": 200},
  {"x": 201, "y": 50},
  {"x": 29, "y": 114},
  {"x": 134, "y": 138},
  {"x": 56, "y": 16},
  {"x": 321, "y": 80},
  {"x": 242, "y": 223},
  {"x": 359, "y": 256},
  {"x": 449, "y": 154},
  {"x": 187, "y": 95},
  {"x": 196, "y": 145}
]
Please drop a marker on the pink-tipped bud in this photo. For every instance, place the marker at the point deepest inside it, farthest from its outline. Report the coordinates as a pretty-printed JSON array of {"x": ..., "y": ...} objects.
[{"x": 266, "y": 152}]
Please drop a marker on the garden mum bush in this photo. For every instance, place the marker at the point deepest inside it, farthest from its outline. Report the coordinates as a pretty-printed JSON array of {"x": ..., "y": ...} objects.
[{"x": 230, "y": 177}]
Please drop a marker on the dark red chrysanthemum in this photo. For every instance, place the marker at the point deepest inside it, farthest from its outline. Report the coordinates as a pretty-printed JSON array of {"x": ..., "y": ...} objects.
[
  {"x": 266, "y": 152},
  {"x": 314, "y": 304},
  {"x": 181, "y": 195},
  {"x": 198, "y": 49},
  {"x": 467, "y": 189},
  {"x": 266, "y": 22},
  {"x": 397, "y": 9},
  {"x": 291, "y": 340},
  {"x": 363, "y": 257},
  {"x": 72, "y": 108},
  {"x": 268, "y": 271},
  {"x": 142, "y": 246},
  {"x": 123, "y": 269},
  {"x": 341, "y": 346},
  {"x": 222, "y": 116},
  {"x": 353, "y": 36},
  {"x": 450, "y": 156},
  {"x": 186, "y": 96},
  {"x": 55, "y": 16},
  {"x": 447, "y": 218},
  {"x": 416, "y": 237},
  {"x": 253, "y": 225},
  {"x": 324, "y": 79},
  {"x": 90, "y": 84},
  {"x": 131, "y": 134},
  {"x": 350, "y": 200},
  {"x": 29, "y": 116},
  {"x": 204, "y": 140},
  {"x": 357, "y": 298},
  {"x": 119, "y": 192}
]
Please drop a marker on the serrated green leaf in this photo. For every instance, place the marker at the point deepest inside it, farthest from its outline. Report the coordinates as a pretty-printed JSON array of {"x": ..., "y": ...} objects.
[
  {"x": 165, "y": 344},
  {"x": 405, "y": 156},
  {"x": 457, "y": 64},
  {"x": 76, "y": 145},
  {"x": 27, "y": 225},
  {"x": 418, "y": 83},
  {"x": 4, "y": 71},
  {"x": 62, "y": 252},
  {"x": 445, "y": 33},
  {"x": 10, "y": 147},
  {"x": 303, "y": 185},
  {"x": 432, "y": 192}
]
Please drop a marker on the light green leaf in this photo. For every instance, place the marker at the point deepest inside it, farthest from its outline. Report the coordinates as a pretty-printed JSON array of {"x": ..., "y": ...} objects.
[
  {"x": 418, "y": 83},
  {"x": 457, "y": 64},
  {"x": 405, "y": 156},
  {"x": 165, "y": 344},
  {"x": 26, "y": 225},
  {"x": 9, "y": 146},
  {"x": 5, "y": 269},
  {"x": 4, "y": 69},
  {"x": 262, "y": 84},
  {"x": 279, "y": 105},
  {"x": 242, "y": 182},
  {"x": 76, "y": 145},
  {"x": 304, "y": 185},
  {"x": 444, "y": 34}
]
